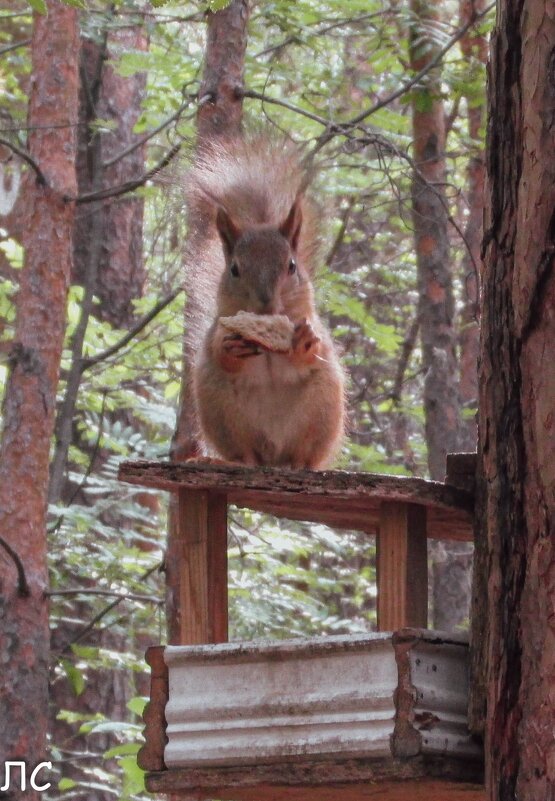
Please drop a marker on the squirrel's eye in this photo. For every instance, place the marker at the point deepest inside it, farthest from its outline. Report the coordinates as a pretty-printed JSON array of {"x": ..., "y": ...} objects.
[
  {"x": 234, "y": 269},
  {"x": 292, "y": 266}
]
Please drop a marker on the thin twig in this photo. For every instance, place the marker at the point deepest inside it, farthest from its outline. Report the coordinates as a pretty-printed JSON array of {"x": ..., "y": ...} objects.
[
  {"x": 137, "y": 328},
  {"x": 341, "y": 128},
  {"x": 423, "y": 72},
  {"x": 144, "y": 139},
  {"x": 85, "y": 630},
  {"x": 106, "y": 593},
  {"x": 404, "y": 358},
  {"x": 15, "y": 45},
  {"x": 22, "y": 585},
  {"x": 338, "y": 241},
  {"x": 26, "y": 158},
  {"x": 128, "y": 186}
]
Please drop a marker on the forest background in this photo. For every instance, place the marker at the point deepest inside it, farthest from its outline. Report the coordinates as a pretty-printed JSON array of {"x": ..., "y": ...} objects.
[{"x": 387, "y": 100}]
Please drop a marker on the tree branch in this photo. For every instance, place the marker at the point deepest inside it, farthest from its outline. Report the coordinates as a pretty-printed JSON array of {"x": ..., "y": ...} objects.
[
  {"x": 107, "y": 593},
  {"x": 85, "y": 630},
  {"x": 406, "y": 351},
  {"x": 128, "y": 186},
  {"x": 144, "y": 139},
  {"x": 137, "y": 328},
  {"x": 341, "y": 128},
  {"x": 27, "y": 158},
  {"x": 15, "y": 45},
  {"x": 22, "y": 586},
  {"x": 423, "y": 72}
]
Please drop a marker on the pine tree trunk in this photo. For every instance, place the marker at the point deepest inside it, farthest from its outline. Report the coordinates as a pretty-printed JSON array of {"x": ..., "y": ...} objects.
[
  {"x": 474, "y": 48},
  {"x": 31, "y": 390},
  {"x": 120, "y": 272},
  {"x": 108, "y": 261},
  {"x": 431, "y": 223},
  {"x": 517, "y": 405},
  {"x": 451, "y": 564}
]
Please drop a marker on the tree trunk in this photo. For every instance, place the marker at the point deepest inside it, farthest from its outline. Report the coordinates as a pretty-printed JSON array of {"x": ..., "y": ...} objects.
[
  {"x": 517, "y": 405},
  {"x": 474, "y": 48},
  {"x": 451, "y": 583},
  {"x": 120, "y": 272},
  {"x": 31, "y": 390},
  {"x": 108, "y": 261},
  {"x": 430, "y": 219}
]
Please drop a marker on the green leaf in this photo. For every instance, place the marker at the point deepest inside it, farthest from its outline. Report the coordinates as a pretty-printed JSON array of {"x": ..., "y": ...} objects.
[
  {"x": 39, "y": 5},
  {"x": 126, "y": 749},
  {"x": 75, "y": 677},
  {"x": 137, "y": 705},
  {"x": 133, "y": 776},
  {"x": 66, "y": 784},
  {"x": 218, "y": 5}
]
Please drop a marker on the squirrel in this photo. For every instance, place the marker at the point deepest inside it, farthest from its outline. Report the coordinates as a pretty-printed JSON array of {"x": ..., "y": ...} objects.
[{"x": 253, "y": 247}]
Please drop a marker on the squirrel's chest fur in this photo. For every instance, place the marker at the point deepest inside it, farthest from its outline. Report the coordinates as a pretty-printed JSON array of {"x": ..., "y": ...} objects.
[
  {"x": 267, "y": 392},
  {"x": 259, "y": 414}
]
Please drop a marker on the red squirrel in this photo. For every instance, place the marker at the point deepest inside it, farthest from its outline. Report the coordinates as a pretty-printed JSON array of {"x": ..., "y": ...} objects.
[{"x": 254, "y": 235}]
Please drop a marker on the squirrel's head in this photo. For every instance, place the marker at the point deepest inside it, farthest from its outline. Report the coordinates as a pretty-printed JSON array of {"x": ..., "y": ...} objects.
[{"x": 262, "y": 273}]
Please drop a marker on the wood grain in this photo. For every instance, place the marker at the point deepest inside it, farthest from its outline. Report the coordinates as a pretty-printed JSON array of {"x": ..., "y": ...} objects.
[
  {"x": 202, "y": 563},
  {"x": 151, "y": 755},
  {"x": 402, "y": 567},
  {"x": 417, "y": 779},
  {"x": 333, "y": 497}
]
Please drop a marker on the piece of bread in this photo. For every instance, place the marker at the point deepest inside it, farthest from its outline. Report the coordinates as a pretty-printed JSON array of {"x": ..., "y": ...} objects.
[{"x": 271, "y": 331}]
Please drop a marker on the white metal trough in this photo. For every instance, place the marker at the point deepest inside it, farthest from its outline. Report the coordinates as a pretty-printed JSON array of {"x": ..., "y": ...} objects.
[{"x": 375, "y": 695}]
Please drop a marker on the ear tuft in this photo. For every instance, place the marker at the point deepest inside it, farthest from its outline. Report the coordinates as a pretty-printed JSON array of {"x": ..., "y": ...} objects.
[
  {"x": 228, "y": 231},
  {"x": 291, "y": 227}
]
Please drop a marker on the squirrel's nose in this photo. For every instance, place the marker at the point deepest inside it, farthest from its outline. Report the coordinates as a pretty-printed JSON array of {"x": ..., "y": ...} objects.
[{"x": 266, "y": 302}]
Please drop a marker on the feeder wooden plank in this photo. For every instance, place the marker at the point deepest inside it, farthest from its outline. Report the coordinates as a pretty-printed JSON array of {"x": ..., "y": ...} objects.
[
  {"x": 200, "y": 558},
  {"x": 333, "y": 497},
  {"x": 386, "y": 780},
  {"x": 402, "y": 567}
]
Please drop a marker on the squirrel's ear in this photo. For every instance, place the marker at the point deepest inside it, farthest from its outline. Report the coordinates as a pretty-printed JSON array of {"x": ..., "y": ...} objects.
[
  {"x": 228, "y": 231},
  {"x": 291, "y": 228}
]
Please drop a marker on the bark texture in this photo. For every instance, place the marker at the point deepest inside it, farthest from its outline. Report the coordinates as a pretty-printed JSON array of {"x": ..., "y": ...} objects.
[
  {"x": 31, "y": 390},
  {"x": 430, "y": 219},
  {"x": 451, "y": 583},
  {"x": 107, "y": 95},
  {"x": 474, "y": 48},
  {"x": 517, "y": 404}
]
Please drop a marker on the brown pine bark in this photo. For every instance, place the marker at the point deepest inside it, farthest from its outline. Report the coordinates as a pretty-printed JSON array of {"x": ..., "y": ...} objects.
[
  {"x": 451, "y": 583},
  {"x": 31, "y": 390},
  {"x": 474, "y": 48},
  {"x": 517, "y": 407},
  {"x": 120, "y": 273},
  {"x": 430, "y": 220}
]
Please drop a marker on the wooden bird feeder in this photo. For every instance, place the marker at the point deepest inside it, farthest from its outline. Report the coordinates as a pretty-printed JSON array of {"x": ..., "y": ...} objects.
[{"x": 351, "y": 717}]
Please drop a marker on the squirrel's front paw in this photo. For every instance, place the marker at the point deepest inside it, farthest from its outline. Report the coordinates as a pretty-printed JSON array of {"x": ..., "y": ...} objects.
[
  {"x": 305, "y": 343},
  {"x": 234, "y": 349}
]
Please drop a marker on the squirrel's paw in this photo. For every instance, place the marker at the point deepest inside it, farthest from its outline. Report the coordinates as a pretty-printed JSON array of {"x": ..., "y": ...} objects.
[
  {"x": 239, "y": 348},
  {"x": 234, "y": 350},
  {"x": 304, "y": 344}
]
